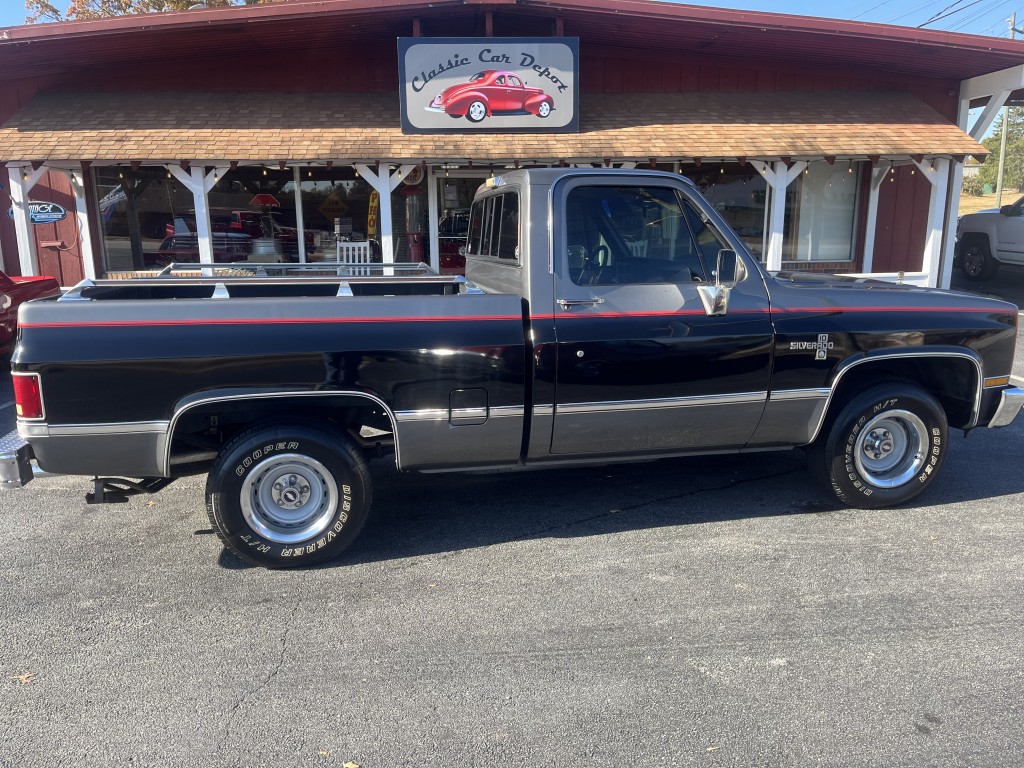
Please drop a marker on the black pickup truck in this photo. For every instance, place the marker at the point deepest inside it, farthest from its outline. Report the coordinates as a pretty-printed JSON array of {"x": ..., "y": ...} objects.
[{"x": 609, "y": 316}]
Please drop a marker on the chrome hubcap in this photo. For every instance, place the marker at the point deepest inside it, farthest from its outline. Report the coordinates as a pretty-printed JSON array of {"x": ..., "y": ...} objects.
[
  {"x": 289, "y": 498},
  {"x": 891, "y": 449},
  {"x": 477, "y": 111}
]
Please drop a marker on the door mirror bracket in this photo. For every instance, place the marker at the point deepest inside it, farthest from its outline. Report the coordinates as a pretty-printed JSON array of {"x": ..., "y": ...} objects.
[{"x": 715, "y": 298}]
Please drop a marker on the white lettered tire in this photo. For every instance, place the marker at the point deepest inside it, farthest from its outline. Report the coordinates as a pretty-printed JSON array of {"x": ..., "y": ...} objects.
[
  {"x": 287, "y": 495},
  {"x": 884, "y": 447}
]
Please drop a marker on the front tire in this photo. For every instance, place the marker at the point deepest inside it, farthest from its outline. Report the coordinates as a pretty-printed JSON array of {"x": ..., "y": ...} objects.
[
  {"x": 884, "y": 448},
  {"x": 544, "y": 109},
  {"x": 977, "y": 262},
  {"x": 286, "y": 495}
]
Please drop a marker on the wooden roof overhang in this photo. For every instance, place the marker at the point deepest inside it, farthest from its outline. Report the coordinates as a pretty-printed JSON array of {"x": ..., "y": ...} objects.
[
  {"x": 643, "y": 25},
  {"x": 148, "y": 127}
]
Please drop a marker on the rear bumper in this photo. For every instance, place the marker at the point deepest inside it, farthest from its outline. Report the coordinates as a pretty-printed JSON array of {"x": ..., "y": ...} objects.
[
  {"x": 1010, "y": 401},
  {"x": 15, "y": 461}
]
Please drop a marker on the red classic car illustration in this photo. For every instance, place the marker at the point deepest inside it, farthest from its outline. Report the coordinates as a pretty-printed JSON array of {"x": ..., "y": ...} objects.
[{"x": 492, "y": 92}]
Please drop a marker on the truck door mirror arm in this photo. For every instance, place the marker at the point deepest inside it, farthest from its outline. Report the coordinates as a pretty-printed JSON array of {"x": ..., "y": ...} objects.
[{"x": 716, "y": 297}]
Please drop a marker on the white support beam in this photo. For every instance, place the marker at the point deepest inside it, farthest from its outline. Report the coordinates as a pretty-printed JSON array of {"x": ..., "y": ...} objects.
[
  {"x": 988, "y": 115},
  {"x": 937, "y": 174},
  {"x": 1009, "y": 79},
  {"x": 877, "y": 177},
  {"x": 300, "y": 222},
  {"x": 197, "y": 181},
  {"x": 433, "y": 215},
  {"x": 22, "y": 179},
  {"x": 77, "y": 181},
  {"x": 778, "y": 177},
  {"x": 385, "y": 184}
]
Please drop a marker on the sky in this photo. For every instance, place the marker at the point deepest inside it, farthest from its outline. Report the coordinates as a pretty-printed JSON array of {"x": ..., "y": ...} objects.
[{"x": 980, "y": 17}]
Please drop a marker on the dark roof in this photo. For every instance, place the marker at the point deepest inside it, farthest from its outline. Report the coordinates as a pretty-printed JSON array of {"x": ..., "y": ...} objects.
[
  {"x": 176, "y": 126},
  {"x": 637, "y": 24}
]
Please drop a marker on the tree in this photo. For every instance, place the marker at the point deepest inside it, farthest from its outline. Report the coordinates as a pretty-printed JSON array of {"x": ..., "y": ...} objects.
[
  {"x": 45, "y": 10},
  {"x": 1013, "y": 172}
]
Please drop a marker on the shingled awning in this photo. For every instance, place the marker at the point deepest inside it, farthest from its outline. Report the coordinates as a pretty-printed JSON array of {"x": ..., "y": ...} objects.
[{"x": 307, "y": 127}]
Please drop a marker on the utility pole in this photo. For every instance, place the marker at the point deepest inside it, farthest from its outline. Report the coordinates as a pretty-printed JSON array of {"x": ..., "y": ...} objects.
[{"x": 1012, "y": 21}]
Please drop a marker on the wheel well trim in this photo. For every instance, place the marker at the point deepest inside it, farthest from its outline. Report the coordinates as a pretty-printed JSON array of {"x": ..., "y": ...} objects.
[
  {"x": 847, "y": 366},
  {"x": 184, "y": 408}
]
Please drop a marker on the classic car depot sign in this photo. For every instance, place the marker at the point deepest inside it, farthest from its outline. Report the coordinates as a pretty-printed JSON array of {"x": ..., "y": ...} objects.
[{"x": 495, "y": 84}]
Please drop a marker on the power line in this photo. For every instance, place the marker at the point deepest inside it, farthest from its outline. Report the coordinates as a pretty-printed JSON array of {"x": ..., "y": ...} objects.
[{"x": 938, "y": 15}]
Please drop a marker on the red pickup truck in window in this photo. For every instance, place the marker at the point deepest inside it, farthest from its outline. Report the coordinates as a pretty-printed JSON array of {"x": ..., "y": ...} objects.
[{"x": 489, "y": 93}]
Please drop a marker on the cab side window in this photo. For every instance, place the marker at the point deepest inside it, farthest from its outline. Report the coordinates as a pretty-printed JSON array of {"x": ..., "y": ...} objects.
[
  {"x": 494, "y": 227},
  {"x": 622, "y": 235}
]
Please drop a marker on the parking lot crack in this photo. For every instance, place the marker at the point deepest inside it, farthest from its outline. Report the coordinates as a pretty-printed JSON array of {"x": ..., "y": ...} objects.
[{"x": 262, "y": 685}]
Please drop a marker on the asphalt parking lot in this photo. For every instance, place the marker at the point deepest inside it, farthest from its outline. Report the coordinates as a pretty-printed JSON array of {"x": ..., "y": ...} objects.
[{"x": 711, "y": 611}]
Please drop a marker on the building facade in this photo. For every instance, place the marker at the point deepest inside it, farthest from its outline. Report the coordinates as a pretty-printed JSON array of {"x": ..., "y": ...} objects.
[{"x": 276, "y": 132}]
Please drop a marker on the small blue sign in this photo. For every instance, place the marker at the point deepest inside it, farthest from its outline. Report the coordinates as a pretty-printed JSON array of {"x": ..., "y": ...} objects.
[{"x": 43, "y": 213}]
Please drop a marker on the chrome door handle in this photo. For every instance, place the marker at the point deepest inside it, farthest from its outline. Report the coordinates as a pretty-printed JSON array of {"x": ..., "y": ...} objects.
[{"x": 570, "y": 303}]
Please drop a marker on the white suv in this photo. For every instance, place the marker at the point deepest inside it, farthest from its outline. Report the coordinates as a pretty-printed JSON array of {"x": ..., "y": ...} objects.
[{"x": 986, "y": 239}]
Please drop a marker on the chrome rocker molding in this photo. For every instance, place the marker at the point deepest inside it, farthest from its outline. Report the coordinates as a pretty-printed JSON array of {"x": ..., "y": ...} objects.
[
  {"x": 182, "y": 410},
  {"x": 975, "y": 410},
  {"x": 31, "y": 429},
  {"x": 737, "y": 398},
  {"x": 444, "y": 414}
]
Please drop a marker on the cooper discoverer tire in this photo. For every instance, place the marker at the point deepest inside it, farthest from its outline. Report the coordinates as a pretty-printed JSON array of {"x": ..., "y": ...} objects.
[
  {"x": 884, "y": 448},
  {"x": 287, "y": 495}
]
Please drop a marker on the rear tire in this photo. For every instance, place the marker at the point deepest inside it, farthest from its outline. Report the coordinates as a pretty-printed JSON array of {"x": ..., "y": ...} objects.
[
  {"x": 885, "y": 447},
  {"x": 287, "y": 495}
]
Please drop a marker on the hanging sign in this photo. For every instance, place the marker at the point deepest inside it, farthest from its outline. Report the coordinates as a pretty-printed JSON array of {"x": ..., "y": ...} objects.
[
  {"x": 497, "y": 84},
  {"x": 43, "y": 213},
  {"x": 371, "y": 217}
]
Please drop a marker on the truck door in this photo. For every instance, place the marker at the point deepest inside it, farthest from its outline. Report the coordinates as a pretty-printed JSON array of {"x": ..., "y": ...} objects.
[
  {"x": 641, "y": 368},
  {"x": 1010, "y": 233}
]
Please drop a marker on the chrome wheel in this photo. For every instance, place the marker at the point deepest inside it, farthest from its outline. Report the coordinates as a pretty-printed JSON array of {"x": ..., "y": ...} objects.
[
  {"x": 477, "y": 112},
  {"x": 289, "y": 498},
  {"x": 891, "y": 449},
  {"x": 544, "y": 109}
]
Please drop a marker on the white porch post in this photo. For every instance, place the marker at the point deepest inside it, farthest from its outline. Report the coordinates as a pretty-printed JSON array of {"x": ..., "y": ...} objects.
[
  {"x": 778, "y": 178},
  {"x": 77, "y": 181},
  {"x": 300, "y": 222},
  {"x": 199, "y": 183},
  {"x": 385, "y": 184},
  {"x": 22, "y": 179},
  {"x": 877, "y": 177},
  {"x": 938, "y": 175},
  {"x": 434, "y": 214}
]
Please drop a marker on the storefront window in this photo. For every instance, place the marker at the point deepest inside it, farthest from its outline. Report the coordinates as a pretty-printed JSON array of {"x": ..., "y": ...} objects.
[
  {"x": 821, "y": 207},
  {"x": 137, "y": 211},
  {"x": 738, "y": 194}
]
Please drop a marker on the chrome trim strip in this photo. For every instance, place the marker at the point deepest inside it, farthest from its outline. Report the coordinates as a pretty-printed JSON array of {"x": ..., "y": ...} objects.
[
  {"x": 469, "y": 413},
  {"x": 544, "y": 410},
  {"x": 118, "y": 428},
  {"x": 507, "y": 411},
  {"x": 976, "y": 410},
  {"x": 737, "y": 398},
  {"x": 799, "y": 394},
  {"x": 1010, "y": 404},
  {"x": 269, "y": 396},
  {"x": 432, "y": 414},
  {"x": 31, "y": 429}
]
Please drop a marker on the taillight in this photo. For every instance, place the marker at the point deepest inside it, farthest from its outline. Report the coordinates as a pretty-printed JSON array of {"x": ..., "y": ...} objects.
[{"x": 28, "y": 395}]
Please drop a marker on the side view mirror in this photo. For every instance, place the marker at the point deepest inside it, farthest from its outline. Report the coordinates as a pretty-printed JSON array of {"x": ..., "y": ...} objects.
[
  {"x": 727, "y": 268},
  {"x": 1007, "y": 210},
  {"x": 715, "y": 298}
]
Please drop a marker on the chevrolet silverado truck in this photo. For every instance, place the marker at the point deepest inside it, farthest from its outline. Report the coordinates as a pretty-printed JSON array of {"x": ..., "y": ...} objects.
[
  {"x": 606, "y": 316},
  {"x": 987, "y": 239}
]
